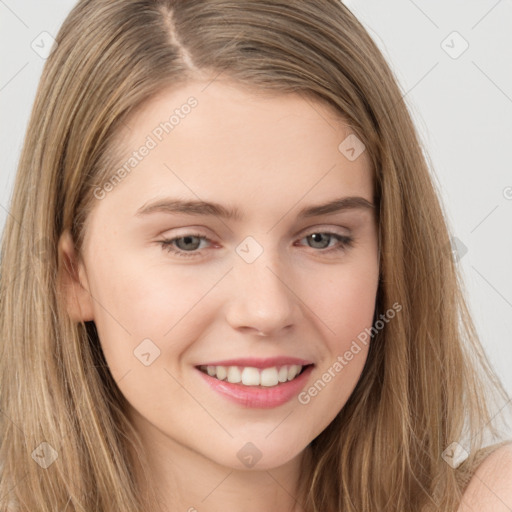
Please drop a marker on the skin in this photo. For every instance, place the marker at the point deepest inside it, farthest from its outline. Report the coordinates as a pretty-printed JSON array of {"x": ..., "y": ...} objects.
[
  {"x": 490, "y": 488},
  {"x": 270, "y": 156}
]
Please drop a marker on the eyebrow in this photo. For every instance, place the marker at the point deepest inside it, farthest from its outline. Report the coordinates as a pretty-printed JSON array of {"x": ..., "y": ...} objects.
[{"x": 189, "y": 207}]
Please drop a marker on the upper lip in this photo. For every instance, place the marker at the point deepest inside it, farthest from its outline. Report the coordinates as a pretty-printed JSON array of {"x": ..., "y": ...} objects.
[{"x": 255, "y": 362}]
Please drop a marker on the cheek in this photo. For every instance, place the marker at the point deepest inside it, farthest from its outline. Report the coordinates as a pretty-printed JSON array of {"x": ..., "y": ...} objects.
[
  {"x": 136, "y": 301},
  {"x": 345, "y": 309},
  {"x": 327, "y": 394},
  {"x": 342, "y": 299}
]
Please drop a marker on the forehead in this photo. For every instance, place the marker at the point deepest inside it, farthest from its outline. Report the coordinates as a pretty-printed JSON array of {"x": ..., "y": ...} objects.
[{"x": 219, "y": 141}]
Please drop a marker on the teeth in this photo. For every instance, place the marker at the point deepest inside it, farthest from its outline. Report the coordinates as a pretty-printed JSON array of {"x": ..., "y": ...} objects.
[
  {"x": 220, "y": 372},
  {"x": 282, "y": 376},
  {"x": 292, "y": 372},
  {"x": 249, "y": 376},
  {"x": 234, "y": 375},
  {"x": 269, "y": 377}
]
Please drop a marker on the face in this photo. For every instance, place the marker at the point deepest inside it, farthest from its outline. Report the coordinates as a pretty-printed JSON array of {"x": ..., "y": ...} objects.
[{"x": 188, "y": 300}]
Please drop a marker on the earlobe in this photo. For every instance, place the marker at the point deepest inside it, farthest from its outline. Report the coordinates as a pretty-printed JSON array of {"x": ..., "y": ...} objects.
[{"x": 73, "y": 281}]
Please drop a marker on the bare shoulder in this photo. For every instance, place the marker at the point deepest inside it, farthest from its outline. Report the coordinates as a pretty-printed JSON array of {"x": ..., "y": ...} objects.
[{"x": 490, "y": 488}]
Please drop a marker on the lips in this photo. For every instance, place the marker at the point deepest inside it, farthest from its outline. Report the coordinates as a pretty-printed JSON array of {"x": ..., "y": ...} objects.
[
  {"x": 256, "y": 372},
  {"x": 259, "y": 362},
  {"x": 260, "y": 383}
]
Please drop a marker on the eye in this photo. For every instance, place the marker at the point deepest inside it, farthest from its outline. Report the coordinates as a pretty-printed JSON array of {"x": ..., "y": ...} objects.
[
  {"x": 187, "y": 246},
  {"x": 190, "y": 243},
  {"x": 318, "y": 239}
]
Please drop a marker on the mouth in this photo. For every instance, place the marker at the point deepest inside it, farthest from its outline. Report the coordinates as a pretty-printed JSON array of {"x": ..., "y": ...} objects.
[
  {"x": 250, "y": 376},
  {"x": 260, "y": 386}
]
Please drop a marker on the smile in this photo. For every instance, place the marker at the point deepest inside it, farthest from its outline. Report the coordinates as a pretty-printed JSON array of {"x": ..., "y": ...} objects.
[{"x": 250, "y": 376}]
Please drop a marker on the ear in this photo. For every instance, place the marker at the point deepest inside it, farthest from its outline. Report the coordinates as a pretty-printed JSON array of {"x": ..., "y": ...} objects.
[{"x": 73, "y": 283}]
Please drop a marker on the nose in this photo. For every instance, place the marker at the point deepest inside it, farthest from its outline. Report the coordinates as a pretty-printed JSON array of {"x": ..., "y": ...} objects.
[{"x": 262, "y": 299}]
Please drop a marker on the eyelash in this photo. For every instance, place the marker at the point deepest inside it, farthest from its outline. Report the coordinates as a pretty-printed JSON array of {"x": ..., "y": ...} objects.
[{"x": 345, "y": 242}]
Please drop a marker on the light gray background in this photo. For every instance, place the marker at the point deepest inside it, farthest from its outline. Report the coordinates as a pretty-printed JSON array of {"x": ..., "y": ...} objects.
[{"x": 462, "y": 107}]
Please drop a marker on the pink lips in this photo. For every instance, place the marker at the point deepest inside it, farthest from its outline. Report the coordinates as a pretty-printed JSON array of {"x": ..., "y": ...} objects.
[
  {"x": 259, "y": 396},
  {"x": 256, "y": 362}
]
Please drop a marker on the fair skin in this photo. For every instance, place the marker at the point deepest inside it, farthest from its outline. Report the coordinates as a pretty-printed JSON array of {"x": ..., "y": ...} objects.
[
  {"x": 490, "y": 488},
  {"x": 269, "y": 157}
]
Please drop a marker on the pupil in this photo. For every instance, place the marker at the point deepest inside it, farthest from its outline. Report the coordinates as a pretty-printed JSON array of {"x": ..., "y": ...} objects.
[
  {"x": 314, "y": 237},
  {"x": 187, "y": 240}
]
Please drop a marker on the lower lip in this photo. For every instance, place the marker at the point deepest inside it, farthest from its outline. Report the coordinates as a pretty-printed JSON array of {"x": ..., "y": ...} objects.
[{"x": 256, "y": 396}]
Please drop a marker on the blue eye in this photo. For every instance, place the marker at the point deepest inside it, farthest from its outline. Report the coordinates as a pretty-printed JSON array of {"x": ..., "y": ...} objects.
[
  {"x": 193, "y": 240},
  {"x": 343, "y": 241},
  {"x": 169, "y": 246}
]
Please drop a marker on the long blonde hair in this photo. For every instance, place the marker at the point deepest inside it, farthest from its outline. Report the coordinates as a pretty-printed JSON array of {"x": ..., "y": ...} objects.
[{"x": 426, "y": 382}]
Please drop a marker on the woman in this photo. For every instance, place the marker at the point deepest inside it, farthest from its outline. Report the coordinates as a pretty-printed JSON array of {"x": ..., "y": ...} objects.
[{"x": 306, "y": 353}]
